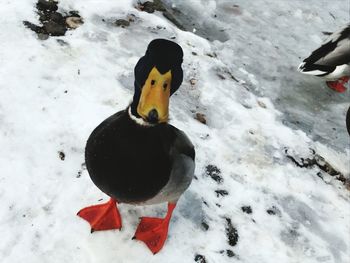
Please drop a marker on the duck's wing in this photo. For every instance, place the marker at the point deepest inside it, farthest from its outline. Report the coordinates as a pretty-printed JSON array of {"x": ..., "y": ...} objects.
[
  {"x": 339, "y": 56},
  {"x": 182, "y": 145},
  {"x": 182, "y": 155},
  {"x": 334, "y": 52},
  {"x": 183, "y": 164}
]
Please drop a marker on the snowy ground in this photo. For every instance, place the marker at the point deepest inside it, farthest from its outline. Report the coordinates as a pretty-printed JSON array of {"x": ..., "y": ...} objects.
[{"x": 261, "y": 207}]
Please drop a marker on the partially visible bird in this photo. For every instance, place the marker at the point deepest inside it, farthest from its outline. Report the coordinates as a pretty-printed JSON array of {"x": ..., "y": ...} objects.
[
  {"x": 348, "y": 120},
  {"x": 331, "y": 61}
]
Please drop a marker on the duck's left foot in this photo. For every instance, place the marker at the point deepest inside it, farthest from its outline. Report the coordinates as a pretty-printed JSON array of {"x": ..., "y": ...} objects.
[
  {"x": 102, "y": 217},
  {"x": 154, "y": 231},
  {"x": 338, "y": 85}
]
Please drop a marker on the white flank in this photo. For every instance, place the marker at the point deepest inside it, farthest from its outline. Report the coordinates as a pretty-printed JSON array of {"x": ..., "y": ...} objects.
[{"x": 340, "y": 71}]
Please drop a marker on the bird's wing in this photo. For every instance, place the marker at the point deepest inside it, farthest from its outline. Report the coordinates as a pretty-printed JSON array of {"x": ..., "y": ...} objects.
[
  {"x": 183, "y": 164},
  {"x": 339, "y": 56},
  {"x": 334, "y": 52},
  {"x": 182, "y": 156},
  {"x": 183, "y": 145}
]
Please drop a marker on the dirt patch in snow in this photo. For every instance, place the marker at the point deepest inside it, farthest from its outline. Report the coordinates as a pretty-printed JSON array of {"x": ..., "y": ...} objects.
[
  {"x": 231, "y": 233},
  {"x": 214, "y": 172},
  {"x": 53, "y": 23},
  {"x": 320, "y": 162}
]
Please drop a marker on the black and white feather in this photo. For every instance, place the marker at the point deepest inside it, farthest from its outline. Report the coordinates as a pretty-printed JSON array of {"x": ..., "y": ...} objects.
[{"x": 332, "y": 59}]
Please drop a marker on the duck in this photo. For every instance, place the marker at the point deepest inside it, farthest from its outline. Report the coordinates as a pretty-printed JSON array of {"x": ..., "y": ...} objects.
[
  {"x": 135, "y": 156},
  {"x": 348, "y": 120},
  {"x": 331, "y": 60}
]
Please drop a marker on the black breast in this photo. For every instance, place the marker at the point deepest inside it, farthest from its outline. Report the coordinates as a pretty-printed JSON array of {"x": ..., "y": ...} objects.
[{"x": 127, "y": 161}]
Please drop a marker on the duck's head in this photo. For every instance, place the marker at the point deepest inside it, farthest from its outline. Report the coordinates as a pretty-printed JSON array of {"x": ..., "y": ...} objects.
[{"x": 158, "y": 74}]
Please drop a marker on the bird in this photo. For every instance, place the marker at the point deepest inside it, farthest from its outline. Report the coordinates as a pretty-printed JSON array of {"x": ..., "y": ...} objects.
[
  {"x": 135, "y": 156},
  {"x": 348, "y": 121},
  {"x": 331, "y": 60}
]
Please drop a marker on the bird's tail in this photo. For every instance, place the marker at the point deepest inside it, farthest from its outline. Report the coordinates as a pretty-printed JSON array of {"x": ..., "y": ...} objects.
[{"x": 315, "y": 69}]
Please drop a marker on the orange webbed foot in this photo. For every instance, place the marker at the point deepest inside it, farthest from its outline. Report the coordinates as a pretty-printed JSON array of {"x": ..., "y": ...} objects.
[
  {"x": 338, "y": 85},
  {"x": 154, "y": 231},
  {"x": 102, "y": 217}
]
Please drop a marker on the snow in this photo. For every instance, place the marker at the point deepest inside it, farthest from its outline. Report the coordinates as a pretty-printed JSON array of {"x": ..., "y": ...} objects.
[{"x": 53, "y": 93}]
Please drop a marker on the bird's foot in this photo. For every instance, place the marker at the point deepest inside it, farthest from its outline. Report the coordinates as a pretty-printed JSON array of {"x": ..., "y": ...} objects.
[
  {"x": 338, "y": 85},
  {"x": 154, "y": 231},
  {"x": 102, "y": 217}
]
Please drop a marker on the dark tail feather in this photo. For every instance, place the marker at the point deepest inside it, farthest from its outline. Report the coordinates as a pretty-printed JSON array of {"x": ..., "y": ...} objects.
[{"x": 315, "y": 69}]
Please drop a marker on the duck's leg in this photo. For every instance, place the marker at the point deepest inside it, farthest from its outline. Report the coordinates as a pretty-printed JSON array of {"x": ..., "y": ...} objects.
[
  {"x": 338, "y": 85},
  {"x": 102, "y": 217},
  {"x": 154, "y": 231}
]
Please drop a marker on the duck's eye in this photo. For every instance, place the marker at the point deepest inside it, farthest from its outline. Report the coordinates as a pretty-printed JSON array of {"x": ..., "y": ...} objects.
[
  {"x": 153, "y": 82},
  {"x": 165, "y": 85}
]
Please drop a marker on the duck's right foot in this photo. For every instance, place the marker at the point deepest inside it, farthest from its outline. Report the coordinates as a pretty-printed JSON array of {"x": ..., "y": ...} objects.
[
  {"x": 338, "y": 85},
  {"x": 154, "y": 231},
  {"x": 102, "y": 217}
]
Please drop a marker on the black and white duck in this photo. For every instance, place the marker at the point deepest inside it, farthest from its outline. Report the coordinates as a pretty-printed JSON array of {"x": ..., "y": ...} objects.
[{"x": 331, "y": 60}]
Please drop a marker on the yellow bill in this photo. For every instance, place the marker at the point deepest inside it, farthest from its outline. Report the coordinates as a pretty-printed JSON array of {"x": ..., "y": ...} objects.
[{"x": 155, "y": 97}]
